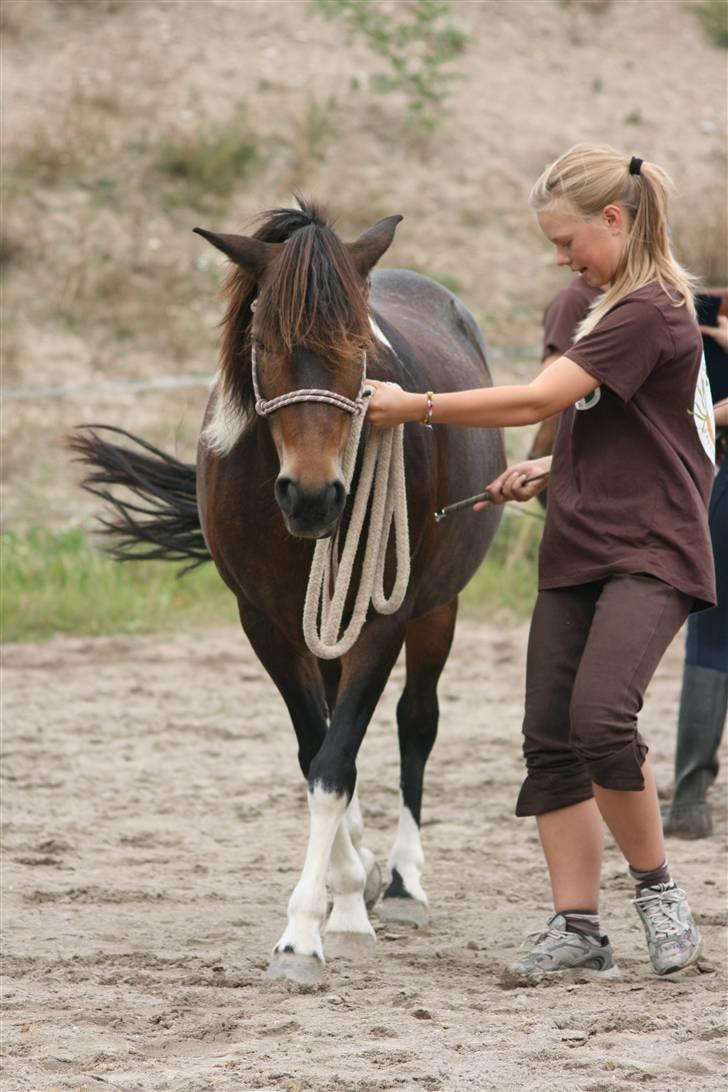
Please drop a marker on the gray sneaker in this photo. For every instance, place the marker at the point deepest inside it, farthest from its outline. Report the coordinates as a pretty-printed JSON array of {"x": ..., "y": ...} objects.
[
  {"x": 557, "y": 950},
  {"x": 673, "y": 940}
]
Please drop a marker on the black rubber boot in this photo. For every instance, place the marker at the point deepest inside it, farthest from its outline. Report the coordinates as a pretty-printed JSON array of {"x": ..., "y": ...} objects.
[{"x": 703, "y": 705}]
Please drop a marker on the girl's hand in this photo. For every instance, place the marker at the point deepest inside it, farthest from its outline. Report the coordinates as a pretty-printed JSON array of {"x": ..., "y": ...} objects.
[
  {"x": 390, "y": 406},
  {"x": 718, "y": 333},
  {"x": 510, "y": 484}
]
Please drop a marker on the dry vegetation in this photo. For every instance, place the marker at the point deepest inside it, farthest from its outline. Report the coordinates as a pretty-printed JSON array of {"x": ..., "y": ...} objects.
[{"x": 127, "y": 122}]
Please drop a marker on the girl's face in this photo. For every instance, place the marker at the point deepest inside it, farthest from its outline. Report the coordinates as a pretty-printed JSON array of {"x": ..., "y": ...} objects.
[{"x": 592, "y": 248}]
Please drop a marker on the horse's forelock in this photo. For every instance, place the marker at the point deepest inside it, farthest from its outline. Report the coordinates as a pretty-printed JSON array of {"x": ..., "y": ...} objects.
[
  {"x": 280, "y": 224},
  {"x": 313, "y": 297}
]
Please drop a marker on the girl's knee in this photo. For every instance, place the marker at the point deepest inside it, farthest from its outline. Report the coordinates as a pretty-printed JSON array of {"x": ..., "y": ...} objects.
[{"x": 609, "y": 746}]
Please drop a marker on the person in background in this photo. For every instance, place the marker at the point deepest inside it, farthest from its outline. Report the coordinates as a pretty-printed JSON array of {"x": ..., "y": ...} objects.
[
  {"x": 704, "y": 694},
  {"x": 561, "y": 320},
  {"x": 632, "y": 469}
]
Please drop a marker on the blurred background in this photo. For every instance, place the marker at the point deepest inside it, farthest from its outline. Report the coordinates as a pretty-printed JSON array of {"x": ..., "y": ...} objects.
[{"x": 125, "y": 123}]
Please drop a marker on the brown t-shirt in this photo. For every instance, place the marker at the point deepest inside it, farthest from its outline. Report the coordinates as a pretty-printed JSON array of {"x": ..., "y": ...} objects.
[
  {"x": 563, "y": 315},
  {"x": 632, "y": 469}
]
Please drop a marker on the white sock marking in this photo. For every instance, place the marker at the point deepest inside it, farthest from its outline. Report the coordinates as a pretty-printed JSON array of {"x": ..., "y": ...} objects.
[
  {"x": 407, "y": 856},
  {"x": 307, "y": 904}
]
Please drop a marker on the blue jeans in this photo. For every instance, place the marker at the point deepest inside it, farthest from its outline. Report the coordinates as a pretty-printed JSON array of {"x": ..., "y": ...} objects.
[{"x": 707, "y": 640}]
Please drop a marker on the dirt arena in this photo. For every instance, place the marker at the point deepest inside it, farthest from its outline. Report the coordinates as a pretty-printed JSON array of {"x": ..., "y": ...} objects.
[{"x": 155, "y": 823}]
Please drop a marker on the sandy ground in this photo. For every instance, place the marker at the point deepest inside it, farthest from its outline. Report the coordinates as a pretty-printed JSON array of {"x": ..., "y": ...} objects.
[{"x": 155, "y": 823}]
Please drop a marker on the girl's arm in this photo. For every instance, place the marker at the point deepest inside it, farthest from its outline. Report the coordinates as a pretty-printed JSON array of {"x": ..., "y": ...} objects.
[
  {"x": 720, "y": 409},
  {"x": 559, "y": 385}
]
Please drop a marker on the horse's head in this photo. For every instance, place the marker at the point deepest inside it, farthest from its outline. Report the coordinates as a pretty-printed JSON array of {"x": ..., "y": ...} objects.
[{"x": 298, "y": 324}]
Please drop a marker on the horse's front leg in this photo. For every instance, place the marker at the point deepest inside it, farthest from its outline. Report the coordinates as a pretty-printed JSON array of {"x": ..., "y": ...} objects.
[
  {"x": 355, "y": 824},
  {"x": 331, "y": 786},
  {"x": 428, "y": 644},
  {"x": 299, "y": 954}
]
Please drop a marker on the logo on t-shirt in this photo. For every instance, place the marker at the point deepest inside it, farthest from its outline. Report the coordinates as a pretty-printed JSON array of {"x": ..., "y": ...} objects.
[
  {"x": 703, "y": 412},
  {"x": 590, "y": 400}
]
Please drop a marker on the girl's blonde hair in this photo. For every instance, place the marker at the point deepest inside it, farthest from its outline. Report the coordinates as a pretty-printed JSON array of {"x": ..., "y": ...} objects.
[{"x": 590, "y": 177}]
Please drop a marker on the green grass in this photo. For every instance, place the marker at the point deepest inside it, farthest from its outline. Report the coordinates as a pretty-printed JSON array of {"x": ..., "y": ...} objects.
[
  {"x": 62, "y": 582},
  {"x": 713, "y": 14},
  {"x": 506, "y": 582}
]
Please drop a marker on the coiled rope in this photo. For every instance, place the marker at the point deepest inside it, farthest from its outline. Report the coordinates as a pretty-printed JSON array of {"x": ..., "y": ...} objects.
[{"x": 381, "y": 479}]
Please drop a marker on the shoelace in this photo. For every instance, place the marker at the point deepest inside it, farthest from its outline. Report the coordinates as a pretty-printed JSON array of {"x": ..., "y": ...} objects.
[
  {"x": 656, "y": 908},
  {"x": 542, "y": 935}
]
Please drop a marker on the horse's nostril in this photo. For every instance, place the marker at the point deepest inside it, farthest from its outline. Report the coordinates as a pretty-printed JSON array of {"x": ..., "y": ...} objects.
[
  {"x": 338, "y": 495},
  {"x": 287, "y": 494}
]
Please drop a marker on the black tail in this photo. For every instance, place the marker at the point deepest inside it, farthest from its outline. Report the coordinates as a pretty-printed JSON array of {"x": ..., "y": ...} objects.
[{"x": 166, "y": 526}]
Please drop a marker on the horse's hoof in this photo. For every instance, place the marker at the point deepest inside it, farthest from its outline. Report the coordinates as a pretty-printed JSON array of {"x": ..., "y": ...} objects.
[
  {"x": 407, "y": 911},
  {"x": 374, "y": 884},
  {"x": 356, "y": 946},
  {"x": 304, "y": 970}
]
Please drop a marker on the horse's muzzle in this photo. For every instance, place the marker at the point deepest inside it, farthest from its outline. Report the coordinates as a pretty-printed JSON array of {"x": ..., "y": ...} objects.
[{"x": 310, "y": 513}]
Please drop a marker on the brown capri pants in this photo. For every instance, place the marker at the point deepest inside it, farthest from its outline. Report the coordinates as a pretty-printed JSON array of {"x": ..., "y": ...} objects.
[{"x": 592, "y": 650}]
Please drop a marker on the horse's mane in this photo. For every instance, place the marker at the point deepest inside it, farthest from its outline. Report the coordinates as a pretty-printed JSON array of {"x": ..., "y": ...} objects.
[{"x": 312, "y": 298}]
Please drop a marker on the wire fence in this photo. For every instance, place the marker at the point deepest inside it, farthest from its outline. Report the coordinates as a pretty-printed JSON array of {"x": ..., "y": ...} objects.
[{"x": 178, "y": 382}]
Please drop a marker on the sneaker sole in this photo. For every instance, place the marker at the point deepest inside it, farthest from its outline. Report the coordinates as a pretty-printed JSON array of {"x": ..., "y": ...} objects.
[{"x": 571, "y": 972}]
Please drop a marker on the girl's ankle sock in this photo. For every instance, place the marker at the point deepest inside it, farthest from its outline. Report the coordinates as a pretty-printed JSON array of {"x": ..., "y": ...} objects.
[
  {"x": 651, "y": 876},
  {"x": 583, "y": 922}
]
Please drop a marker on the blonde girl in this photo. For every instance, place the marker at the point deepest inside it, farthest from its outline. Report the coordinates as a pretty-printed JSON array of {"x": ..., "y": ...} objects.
[{"x": 626, "y": 552}]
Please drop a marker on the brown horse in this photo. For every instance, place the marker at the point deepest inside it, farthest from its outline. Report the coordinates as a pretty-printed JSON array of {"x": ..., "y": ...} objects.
[{"x": 303, "y": 305}]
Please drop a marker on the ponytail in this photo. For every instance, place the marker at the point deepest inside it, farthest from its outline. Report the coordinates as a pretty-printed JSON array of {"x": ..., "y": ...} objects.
[{"x": 590, "y": 177}]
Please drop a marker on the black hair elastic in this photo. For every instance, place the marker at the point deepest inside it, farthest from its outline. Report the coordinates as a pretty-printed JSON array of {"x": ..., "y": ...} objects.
[{"x": 634, "y": 164}]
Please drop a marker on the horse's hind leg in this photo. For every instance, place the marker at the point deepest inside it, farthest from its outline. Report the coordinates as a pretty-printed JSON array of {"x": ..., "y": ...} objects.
[{"x": 428, "y": 644}]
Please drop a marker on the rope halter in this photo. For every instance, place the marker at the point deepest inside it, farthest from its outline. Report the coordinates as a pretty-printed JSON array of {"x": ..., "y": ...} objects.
[{"x": 263, "y": 406}]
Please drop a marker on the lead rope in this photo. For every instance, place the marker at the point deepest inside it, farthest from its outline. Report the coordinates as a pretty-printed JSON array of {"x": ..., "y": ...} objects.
[{"x": 382, "y": 480}]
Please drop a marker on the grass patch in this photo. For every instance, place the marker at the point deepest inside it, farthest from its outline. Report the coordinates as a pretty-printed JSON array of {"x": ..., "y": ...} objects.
[
  {"x": 415, "y": 43},
  {"x": 207, "y": 166},
  {"x": 507, "y": 581},
  {"x": 313, "y": 130},
  {"x": 61, "y": 582},
  {"x": 713, "y": 14}
]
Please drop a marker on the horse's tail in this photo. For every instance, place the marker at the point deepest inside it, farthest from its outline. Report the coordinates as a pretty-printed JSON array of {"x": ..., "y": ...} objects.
[{"x": 163, "y": 523}]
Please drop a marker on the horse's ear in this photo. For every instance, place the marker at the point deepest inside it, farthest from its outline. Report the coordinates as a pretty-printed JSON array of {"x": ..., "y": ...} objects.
[
  {"x": 369, "y": 247},
  {"x": 252, "y": 254}
]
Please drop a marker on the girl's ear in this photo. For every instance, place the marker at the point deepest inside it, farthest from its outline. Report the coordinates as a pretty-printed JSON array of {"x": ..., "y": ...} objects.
[{"x": 614, "y": 218}]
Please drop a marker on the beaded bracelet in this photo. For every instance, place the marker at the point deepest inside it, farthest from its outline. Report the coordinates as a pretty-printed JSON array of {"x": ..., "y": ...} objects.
[{"x": 429, "y": 404}]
